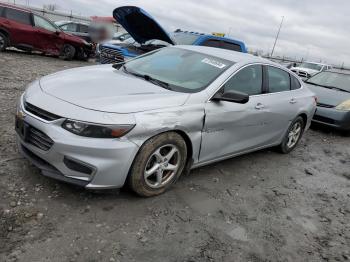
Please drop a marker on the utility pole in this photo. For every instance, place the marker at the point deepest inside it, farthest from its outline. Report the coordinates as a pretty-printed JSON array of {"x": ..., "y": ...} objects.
[{"x": 278, "y": 33}]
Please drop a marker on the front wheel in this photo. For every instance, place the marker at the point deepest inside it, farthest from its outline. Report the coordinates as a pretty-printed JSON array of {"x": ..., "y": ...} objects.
[
  {"x": 67, "y": 52},
  {"x": 158, "y": 164},
  {"x": 293, "y": 135},
  {"x": 3, "y": 42}
]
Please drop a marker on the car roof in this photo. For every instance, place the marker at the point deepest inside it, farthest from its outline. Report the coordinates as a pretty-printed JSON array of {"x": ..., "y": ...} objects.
[
  {"x": 15, "y": 7},
  {"x": 210, "y": 36},
  {"x": 230, "y": 55}
]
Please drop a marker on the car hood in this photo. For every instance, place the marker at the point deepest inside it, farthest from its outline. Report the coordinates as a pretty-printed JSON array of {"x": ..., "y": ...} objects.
[
  {"x": 307, "y": 70},
  {"x": 140, "y": 25},
  {"x": 103, "y": 88},
  {"x": 328, "y": 96}
]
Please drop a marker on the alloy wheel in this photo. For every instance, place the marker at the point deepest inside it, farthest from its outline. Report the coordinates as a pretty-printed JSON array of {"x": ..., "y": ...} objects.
[
  {"x": 294, "y": 135},
  {"x": 162, "y": 166}
]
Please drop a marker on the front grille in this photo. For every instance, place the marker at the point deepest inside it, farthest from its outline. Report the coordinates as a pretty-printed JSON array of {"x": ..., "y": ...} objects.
[
  {"x": 38, "y": 160},
  {"x": 40, "y": 112},
  {"x": 324, "y": 105},
  {"x": 38, "y": 139},
  {"x": 110, "y": 56},
  {"x": 324, "y": 119}
]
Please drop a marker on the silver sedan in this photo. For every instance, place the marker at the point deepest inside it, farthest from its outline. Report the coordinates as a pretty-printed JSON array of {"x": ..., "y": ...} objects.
[{"x": 155, "y": 117}]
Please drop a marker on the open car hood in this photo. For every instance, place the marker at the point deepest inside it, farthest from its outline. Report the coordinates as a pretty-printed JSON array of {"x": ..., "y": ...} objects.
[{"x": 140, "y": 25}]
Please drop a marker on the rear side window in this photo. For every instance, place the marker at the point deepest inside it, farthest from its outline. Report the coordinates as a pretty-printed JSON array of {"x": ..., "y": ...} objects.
[
  {"x": 211, "y": 43},
  {"x": 279, "y": 80},
  {"x": 295, "y": 84},
  {"x": 231, "y": 46},
  {"x": 248, "y": 81},
  {"x": 84, "y": 29},
  {"x": 18, "y": 16}
]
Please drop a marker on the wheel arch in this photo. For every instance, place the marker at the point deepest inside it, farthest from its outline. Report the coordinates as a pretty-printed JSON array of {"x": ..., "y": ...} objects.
[
  {"x": 5, "y": 32},
  {"x": 304, "y": 117}
]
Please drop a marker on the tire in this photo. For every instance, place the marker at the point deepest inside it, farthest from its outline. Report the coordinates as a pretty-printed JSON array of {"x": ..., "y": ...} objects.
[
  {"x": 152, "y": 173},
  {"x": 4, "y": 41},
  {"x": 289, "y": 142},
  {"x": 67, "y": 52},
  {"x": 82, "y": 55}
]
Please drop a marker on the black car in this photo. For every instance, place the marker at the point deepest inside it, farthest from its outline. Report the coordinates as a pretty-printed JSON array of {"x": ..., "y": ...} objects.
[{"x": 332, "y": 89}]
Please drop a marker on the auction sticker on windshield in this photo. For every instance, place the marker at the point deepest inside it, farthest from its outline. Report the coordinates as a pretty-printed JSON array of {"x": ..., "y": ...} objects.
[{"x": 213, "y": 62}]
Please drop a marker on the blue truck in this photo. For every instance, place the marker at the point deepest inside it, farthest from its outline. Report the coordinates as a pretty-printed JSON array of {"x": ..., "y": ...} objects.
[{"x": 147, "y": 35}]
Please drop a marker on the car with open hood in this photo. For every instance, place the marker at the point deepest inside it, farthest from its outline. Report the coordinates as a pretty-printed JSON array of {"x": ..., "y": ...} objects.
[
  {"x": 25, "y": 30},
  {"x": 148, "y": 35},
  {"x": 157, "y": 116},
  {"x": 332, "y": 89}
]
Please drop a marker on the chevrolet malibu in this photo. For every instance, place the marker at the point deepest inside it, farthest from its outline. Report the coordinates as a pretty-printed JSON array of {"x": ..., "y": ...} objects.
[{"x": 153, "y": 118}]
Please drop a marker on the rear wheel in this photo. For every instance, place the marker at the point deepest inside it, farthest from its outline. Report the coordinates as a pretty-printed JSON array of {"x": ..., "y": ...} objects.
[
  {"x": 3, "y": 42},
  {"x": 293, "y": 135},
  {"x": 158, "y": 164},
  {"x": 67, "y": 52}
]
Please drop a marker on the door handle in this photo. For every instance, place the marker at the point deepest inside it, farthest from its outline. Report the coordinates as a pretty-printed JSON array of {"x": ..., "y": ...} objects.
[
  {"x": 293, "y": 101},
  {"x": 259, "y": 106}
]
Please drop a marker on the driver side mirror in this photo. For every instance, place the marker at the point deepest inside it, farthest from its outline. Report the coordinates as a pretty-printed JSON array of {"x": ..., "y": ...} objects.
[{"x": 231, "y": 96}]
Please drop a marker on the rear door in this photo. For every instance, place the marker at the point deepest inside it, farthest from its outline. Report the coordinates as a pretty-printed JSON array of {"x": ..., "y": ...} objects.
[
  {"x": 49, "y": 38},
  {"x": 283, "y": 99},
  {"x": 19, "y": 25}
]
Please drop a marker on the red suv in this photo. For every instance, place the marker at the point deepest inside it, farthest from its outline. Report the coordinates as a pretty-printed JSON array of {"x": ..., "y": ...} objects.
[{"x": 27, "y": 31}]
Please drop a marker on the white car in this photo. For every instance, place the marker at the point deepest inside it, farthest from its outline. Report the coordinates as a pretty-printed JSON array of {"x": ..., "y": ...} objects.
[{"x": 308, "y": 69}]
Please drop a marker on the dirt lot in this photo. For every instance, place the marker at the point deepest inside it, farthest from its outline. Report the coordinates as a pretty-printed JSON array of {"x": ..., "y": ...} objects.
[{"x": 260, "y": 207}]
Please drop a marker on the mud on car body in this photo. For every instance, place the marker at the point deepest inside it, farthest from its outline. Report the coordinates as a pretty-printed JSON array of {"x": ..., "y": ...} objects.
[
  {"x": 27, "y": 31},
  {"x": 148, "y": 35}
]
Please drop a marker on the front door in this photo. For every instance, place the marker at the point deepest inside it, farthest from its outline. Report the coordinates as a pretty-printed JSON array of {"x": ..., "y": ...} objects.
[
  {"x": 48, "y": 36},
  {"x": 232, "y": 128}
]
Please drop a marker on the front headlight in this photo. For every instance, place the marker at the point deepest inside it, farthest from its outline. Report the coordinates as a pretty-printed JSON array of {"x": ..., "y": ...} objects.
[
  {"x": 345, "y": 106},
  {"x": 96, "y": 131}
]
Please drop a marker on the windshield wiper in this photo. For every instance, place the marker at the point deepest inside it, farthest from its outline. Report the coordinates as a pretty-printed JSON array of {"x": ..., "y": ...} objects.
[{"x": 148, "y": 78}]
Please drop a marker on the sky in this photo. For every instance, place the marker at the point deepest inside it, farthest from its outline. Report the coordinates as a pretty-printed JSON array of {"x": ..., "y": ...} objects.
[{"x": 317, "y": 30}]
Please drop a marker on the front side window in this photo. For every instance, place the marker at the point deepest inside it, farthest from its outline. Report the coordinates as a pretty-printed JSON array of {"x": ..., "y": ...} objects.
[
  {"x": 279, "y": 80},
  {"x": 183, "y": 70},
  {"x": 248, "y": 81},
  {"x": 71, "y": 27},
  {"x": 18, "y": 16},
  {"x": 43, "y": 23}
]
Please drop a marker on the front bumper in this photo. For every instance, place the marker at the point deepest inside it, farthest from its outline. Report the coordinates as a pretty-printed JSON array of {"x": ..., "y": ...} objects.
[
  {"x": 70, "y": 157},
  {"x": 333, "y": 118}
]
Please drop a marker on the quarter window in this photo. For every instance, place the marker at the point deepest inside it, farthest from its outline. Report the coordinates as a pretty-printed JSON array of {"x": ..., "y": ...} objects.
[
  {"x": 2, "y": 11},
  {"x": 294, "y": 83},
  {"x": 279, "y": 80},
  {"x": 248, "y": 81},
  {"x": 18, "y": 16},
  {"x": 43, "y": 23}
]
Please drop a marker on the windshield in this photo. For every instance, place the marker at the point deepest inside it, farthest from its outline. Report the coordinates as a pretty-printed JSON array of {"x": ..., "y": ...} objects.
[
  {"x": 185, "y": 39},
  {"x": 331, "y": 79},
  {"x": 312, "y": 66},
  {"x": 183, "y": 70}
]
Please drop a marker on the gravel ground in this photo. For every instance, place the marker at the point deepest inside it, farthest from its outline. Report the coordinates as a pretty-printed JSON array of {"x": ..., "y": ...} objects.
[{"x": 260, "y": 207}]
